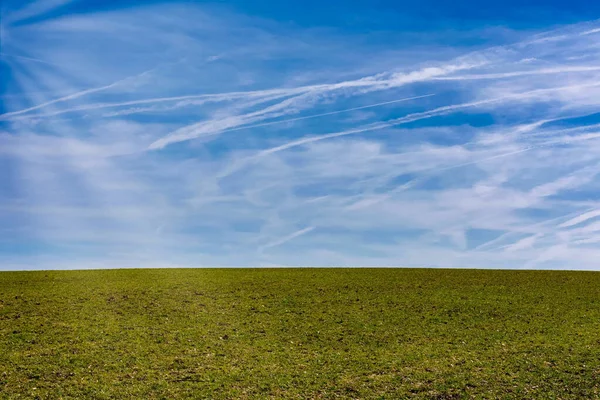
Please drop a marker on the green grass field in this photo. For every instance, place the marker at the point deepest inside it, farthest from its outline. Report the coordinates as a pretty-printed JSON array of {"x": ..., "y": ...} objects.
[{"x": 300, "y": 333}]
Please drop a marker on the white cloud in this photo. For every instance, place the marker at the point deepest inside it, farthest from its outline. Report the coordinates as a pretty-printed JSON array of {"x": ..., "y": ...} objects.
[{"x": 263, "y": 154}]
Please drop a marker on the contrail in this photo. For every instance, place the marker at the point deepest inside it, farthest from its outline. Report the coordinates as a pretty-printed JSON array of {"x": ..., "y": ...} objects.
[
  {"x": 68, "y": 97},
  {"x": 527, "y": 229},
  {"x": 376, "y": 126},
  {"x": 591, "y": 31},
  {"x": 35, "y": 8},
  {"x": 432, "y": 172},
  {"x": 547, "y": 71},
  {"x": 97, "y": 106},
  {"x": 374, "y": 82},
  {"x": 287, "y": 238},
  {"x": 580, "y": 218},
  {"x": 75, "y": 95},
  {"x": 416, "y": 117},
  {"x": 338, "y": 111},
  {"x": 161, "y": 143},
  {"x": 29, "y": 58},
  {"x": 399, "y": 121},
  {"x": 426, "y": 175}
]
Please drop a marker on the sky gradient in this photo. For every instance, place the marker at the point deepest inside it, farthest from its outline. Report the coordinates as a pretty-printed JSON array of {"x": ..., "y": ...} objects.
[{"x": 264, "y": 133}]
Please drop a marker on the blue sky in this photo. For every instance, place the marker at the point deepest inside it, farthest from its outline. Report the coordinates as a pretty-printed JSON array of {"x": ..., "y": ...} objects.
[{"x": 263, "y": 133}]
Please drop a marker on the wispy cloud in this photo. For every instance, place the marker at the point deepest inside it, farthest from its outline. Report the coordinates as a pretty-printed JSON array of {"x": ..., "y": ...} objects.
[
  {"x": 178, "y": 134},
  {"x": 228, "y": 126},
  {"x": 34, "y": 9},
  {"x": 286, "y": 239},
  {"x": 580, "y": 218}
]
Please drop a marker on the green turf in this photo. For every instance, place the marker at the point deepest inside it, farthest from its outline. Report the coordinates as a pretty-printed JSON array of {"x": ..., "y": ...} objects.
[{"x": 301, "y": 333}]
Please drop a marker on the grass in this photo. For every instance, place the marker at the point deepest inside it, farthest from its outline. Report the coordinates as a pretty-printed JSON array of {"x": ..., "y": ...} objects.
[{"x": 300, "y": 333}]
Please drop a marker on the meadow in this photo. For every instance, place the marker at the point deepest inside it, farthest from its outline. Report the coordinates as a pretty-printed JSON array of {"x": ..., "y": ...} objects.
[{"x": 300, "y": 334}]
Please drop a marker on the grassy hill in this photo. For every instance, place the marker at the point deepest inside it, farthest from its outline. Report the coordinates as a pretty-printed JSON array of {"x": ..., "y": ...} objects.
[{"x": 299, "y": 333}]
